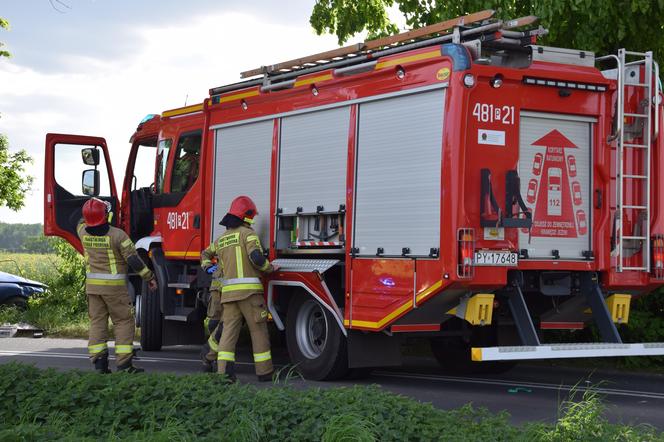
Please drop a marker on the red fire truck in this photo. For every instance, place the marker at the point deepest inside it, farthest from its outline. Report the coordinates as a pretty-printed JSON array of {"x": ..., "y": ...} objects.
[{"x": 458, "y": 183}]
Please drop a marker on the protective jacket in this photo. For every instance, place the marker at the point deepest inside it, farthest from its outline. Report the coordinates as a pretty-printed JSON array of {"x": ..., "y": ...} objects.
[
  {"x": 107, "y": 258},
  {"x": 240, "y": 256}
]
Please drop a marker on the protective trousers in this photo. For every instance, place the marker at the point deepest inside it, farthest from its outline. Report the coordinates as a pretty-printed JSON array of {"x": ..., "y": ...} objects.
[
  {"x": 252, "y": 309},
  {"x": 118, "y": 307},
  {"x": 214, "y": 313}
]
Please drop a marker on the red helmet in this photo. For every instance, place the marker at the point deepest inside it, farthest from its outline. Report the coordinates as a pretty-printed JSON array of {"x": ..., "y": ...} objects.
[
  {"x": 244, "y": 208},
  {"x": 95, "y": 212}
]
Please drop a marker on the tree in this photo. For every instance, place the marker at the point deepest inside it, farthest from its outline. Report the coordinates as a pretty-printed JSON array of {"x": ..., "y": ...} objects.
[
  {"x": 14, "y": 183},
  {"x": 601, "y": 26},
  {"x": 4, "y": 24}
]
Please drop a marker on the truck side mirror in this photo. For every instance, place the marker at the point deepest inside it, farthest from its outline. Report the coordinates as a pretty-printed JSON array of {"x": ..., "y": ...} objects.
[
  {"x": 90, "y": 156},
  {"x": 90, "y": 182}
]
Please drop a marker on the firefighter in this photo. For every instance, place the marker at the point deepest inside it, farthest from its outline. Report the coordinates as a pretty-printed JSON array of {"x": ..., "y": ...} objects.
[
  {"x": 108, "y": 251},
  {"x": 185, "y": 170},
  {"x": 241, "y": 259},
  {"x": 214, "y": 312}
]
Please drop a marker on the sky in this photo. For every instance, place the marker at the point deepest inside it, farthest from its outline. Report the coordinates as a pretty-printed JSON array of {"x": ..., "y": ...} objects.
[{"x": 97, "y": 67}]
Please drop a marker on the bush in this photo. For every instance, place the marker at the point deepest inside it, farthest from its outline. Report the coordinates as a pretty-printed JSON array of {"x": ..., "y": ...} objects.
[
  {"x": 646, "y": 324},
  {"x": 45, "y": 404},
  {"x": 62, "y": 309},
  {"x": 583, "y": 421}
]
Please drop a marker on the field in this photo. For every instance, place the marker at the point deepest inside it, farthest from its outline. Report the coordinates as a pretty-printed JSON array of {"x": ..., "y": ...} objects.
[{"x": 38, "y": 267}]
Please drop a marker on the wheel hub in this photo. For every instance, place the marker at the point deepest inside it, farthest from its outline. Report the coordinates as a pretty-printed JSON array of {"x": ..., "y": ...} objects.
[{"x": 311, "y": 329}]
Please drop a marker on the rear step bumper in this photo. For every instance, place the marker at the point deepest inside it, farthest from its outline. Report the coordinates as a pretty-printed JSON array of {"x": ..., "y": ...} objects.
[{"x": 559, "y": 351}]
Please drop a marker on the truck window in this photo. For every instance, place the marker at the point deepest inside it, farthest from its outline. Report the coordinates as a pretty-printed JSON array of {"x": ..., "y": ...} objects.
[
  {"x": 69, "y": 167},
  {"x": 162, "y": 162},
  {"x": 144, "y": 172},
  {"x": 186, "y": 164}
]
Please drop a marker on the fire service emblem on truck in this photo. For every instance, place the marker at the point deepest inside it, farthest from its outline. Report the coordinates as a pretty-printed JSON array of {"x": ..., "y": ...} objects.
[{"x": 554, "y": 194}]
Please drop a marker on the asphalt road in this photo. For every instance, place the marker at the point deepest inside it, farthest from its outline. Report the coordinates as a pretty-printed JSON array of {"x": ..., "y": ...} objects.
[{"x": 527, "y": 392}]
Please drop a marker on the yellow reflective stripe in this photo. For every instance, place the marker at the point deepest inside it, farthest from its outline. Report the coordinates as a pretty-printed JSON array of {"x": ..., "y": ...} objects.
[
  {"x": 238, "y": 262},
  {"x": 87, "y": 261},
  {"x": 255, "y": 239},
  {"x": 239, "y": 96},
  {"x": 114, "y": 282},
  {"x": 94, "y": 349},
  {"x": 182, "y": 110},
  {"x": 262, "y": 357},
  {"x": 111, "y": 262},
  {"x": 408, "y": 59},
  {"x": 231, "y": 288},
  {"x": 312, "y": 80},
  {"x": 126, "y": 243},
  {"x": 124, "y": 349},
  {"x": 265, "y": 266},
  {"x": 226, "y": 356},
  {"x": 180, "y": 254},
  {"x": 248, "y": 220},
  {"x": 214, "y": 345},
  {"x": 144, "y": 271}
]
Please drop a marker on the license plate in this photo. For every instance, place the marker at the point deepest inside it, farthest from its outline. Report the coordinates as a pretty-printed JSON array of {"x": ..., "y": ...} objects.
[{"x": 496, "y": 258}]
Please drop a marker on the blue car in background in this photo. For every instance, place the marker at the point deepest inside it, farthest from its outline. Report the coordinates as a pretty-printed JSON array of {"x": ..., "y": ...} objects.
[{"x": 15, "y": 290}]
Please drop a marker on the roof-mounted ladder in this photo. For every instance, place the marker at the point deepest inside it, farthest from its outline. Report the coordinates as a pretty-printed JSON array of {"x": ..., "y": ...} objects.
[{"x": 478, "y": 26}]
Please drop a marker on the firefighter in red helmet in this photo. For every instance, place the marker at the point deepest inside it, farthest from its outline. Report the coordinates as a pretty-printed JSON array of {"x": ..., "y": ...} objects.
[
  {"x": 108, "y": 253},
  {"x": 241, "y": 260}
]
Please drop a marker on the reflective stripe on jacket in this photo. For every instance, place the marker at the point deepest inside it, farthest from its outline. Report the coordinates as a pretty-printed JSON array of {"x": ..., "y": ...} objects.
[
  {"x": 106, "y": 261},
  {"x": 240, "y": 274}
]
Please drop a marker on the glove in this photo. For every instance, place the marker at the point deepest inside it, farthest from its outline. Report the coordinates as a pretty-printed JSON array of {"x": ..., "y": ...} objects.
[{"x": 213, "y": 268}]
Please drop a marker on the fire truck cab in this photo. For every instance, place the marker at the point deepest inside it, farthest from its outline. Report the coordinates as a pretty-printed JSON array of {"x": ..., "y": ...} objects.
[{"x": 458, "y": 183}]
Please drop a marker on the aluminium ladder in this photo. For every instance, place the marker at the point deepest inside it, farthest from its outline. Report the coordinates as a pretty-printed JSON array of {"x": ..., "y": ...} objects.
[{"x": 630, "y": 173}]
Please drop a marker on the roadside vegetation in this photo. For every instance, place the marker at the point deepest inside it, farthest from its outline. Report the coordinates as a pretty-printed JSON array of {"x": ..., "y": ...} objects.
[
  {"x": 46, "y": 404},
  {"x": 62, "y": 309}
]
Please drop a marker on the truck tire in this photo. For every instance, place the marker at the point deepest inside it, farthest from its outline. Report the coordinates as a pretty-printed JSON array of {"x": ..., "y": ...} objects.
[
  {"x": 151, "y": 319},
  {"x": 316, "y": 345}
]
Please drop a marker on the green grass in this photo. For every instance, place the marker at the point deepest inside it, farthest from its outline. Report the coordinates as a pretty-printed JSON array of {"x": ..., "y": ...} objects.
[{"x": 46, "y": 405}]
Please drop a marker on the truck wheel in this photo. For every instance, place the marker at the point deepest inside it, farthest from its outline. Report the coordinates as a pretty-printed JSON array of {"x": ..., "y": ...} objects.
[
  {"x": 315, "y": 343},
  {"x": 151, "y": 318},
  {"x": 453, "y": 354}
]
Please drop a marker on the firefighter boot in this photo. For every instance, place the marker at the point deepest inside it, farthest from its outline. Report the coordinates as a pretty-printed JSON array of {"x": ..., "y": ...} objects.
[
  {"x": 230, "y": 372},
  {"x": 128, "y": 367},
  {"x": 210, "y": 349},
  {"x": 101, "y": 364},
  {"x": 267, "y": 377},
  {"x": 208, "y": 365}
]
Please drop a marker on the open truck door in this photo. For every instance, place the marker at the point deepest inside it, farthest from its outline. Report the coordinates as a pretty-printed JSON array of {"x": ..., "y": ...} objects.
[{"x": 76, "y": 168}]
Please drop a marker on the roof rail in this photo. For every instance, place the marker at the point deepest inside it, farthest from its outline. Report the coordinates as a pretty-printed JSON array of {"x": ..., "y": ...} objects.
[{"x": 478, "y": 26}]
